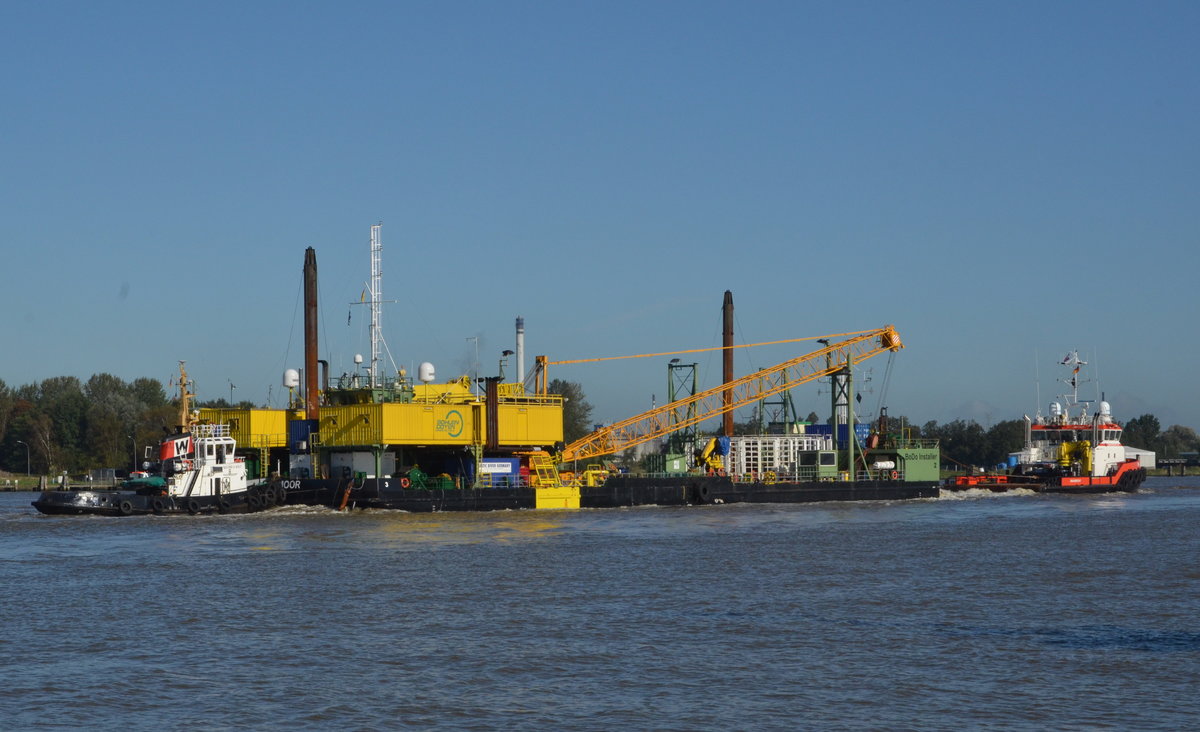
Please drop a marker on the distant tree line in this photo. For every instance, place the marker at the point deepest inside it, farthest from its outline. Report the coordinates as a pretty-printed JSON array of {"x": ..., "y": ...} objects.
[
  {"x": 66, "y": 425},
  {"x": 63, "y": 424},
  {"x": 968, "y": 443}
]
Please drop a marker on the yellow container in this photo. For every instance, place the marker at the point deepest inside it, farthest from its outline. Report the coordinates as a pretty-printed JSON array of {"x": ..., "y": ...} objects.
[{"x": 259, "y": 428}]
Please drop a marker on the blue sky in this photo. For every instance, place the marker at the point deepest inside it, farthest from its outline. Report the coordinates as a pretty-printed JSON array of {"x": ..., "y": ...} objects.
[{"x": 1002, "y": 181}]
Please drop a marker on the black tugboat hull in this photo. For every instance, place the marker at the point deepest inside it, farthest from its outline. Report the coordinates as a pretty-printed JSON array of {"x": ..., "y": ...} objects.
[{"x": 128, "y": 503}]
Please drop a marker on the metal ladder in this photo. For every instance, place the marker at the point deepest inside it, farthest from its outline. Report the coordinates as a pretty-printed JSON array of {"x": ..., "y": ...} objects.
[{"x": 545, "y": 469}]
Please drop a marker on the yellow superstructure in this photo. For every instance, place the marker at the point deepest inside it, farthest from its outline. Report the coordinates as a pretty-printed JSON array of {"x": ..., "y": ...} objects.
[
  {"x": 525, "y": 423},
  {"x": 448, "y": 416}
]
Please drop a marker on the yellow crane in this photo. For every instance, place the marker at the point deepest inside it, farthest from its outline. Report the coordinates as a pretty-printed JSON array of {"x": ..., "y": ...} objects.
[{"x": 657, "y": 422}]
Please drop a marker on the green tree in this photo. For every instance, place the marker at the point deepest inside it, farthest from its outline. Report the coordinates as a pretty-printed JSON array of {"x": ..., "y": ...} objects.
[
  {"x": 112, "y": 411},
  {"x": 64, "y": 406},
  {"x": 961, "y": 441},
  {"x": 148, "y": 392},
  {"x": 1002, "y": 439},
  {"x": 1176, "y": 440},
  {"x": 153, "y": 424},
  {"x": 223, "y": 403},
  {"x": 7, "y": 400},
  {"x": 108, "y": 441},
  {"x": 577, "y": 411},
  {"x": 1141, "y": 432},
  {"x": 40, "y": 436}
]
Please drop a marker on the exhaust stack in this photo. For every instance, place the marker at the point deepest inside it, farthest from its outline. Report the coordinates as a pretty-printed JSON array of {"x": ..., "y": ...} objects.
[
  {"x": 520, "y": 348},
  {"x": 727, "y": 342},
  {"x": 311, "y": 406}
]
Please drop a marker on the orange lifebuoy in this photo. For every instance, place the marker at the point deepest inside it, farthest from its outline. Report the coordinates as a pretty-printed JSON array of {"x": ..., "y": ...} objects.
[
  {"x": 895, "y": 474},
  {"x": 404, "y": 483}
]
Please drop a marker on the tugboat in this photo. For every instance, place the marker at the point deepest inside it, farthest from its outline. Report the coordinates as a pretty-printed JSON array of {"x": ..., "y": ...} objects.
[
  {"x": 198, "y": 472},
  {"x": 1071, "y": 451}
]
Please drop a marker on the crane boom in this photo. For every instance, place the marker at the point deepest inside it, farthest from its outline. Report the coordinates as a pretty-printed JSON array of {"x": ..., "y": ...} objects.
[
  {"x": 657, "y": 422},
  {"x": 542, "y": 363}
]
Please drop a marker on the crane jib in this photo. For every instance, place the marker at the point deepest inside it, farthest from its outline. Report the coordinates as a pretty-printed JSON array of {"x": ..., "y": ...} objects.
[{"x": 710, "y": 403}]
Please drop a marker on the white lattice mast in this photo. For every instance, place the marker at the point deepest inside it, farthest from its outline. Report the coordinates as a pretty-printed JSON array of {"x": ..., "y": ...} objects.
[{"x": 376, "y": 290}]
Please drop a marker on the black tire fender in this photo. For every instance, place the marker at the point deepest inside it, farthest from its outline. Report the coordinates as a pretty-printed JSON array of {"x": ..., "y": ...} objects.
[{"x": 126, "y": 507}]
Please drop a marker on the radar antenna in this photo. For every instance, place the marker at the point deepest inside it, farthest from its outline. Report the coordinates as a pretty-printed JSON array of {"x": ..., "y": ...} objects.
[{"x": 1074, "y": 362}]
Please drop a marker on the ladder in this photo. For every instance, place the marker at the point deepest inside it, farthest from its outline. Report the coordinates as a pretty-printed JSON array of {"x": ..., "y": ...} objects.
[{"x": 545, "y": 470}]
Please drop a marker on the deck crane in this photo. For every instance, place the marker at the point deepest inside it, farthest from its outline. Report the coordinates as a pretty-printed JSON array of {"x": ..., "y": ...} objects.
[{"x": 655, "y": 423}]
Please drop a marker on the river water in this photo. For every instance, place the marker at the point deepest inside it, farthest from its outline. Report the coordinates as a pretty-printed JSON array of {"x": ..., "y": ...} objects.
[{"x": 977, "y": 611}]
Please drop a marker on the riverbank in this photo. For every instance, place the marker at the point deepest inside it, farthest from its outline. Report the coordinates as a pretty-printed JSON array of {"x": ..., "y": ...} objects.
[
  {"x": 21, "y": 483},
  {"x": 33, "y": 483}
]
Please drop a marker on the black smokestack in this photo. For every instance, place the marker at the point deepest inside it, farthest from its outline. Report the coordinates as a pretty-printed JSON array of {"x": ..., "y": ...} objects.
[
  {"x": 727, "y": 396},
  {"x": 311, "y": 407}
]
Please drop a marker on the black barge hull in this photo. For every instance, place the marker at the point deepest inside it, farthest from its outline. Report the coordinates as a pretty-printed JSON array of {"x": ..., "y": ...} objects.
[
  {"x": 622, "y": 490},
  {"x": 617, "y": 491},
  {"x": 387, "y": 493}
]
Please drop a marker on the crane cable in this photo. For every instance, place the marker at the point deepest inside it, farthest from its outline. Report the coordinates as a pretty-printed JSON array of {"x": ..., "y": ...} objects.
[{"x": 701, "y": 350}]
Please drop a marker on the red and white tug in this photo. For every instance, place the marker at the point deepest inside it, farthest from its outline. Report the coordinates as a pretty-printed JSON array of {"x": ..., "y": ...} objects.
[{"x": 1071, "y": 451}]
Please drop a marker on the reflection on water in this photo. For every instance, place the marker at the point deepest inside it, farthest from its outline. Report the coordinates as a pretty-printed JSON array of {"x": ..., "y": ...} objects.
[{"x": 402, "y": 530}]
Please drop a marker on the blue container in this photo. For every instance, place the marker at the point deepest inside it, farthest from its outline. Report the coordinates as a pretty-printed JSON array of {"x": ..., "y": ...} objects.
[
  {"x": 861, "y": 431},
  {"x": 298, "y": 433}
]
